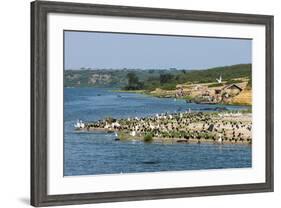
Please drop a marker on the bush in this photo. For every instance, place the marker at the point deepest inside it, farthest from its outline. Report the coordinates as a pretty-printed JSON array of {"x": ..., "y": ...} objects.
[
  {"x": 165, "y": 78},
  {"x": 133, "y": 82},
  {"x": 122, "y": 136},
  {"x": 151, "y": 85},
  {"x": 147, "y": 137}
]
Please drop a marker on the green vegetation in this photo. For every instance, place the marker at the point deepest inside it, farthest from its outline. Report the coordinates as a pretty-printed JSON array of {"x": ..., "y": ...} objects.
[
  {"x": 123, "y": 135},
  {"x": 148, "y": 137},
  {"x": 233, "y": 81},
  {"x": 227, "y": 72},
  {"x": 166, "y": 78},
  {"x": 150, "y": 79},
  {"x": 215, "y": 85},
  {"x": 168, "y": 86},
  {"x": 133, "y": 82},
  {"x": 168, "y": 81}
]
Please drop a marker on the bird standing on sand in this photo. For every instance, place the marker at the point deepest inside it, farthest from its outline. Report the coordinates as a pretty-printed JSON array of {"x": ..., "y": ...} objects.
[
  {"x": 133, "y": 133},
  {"x": 220, "y": 139}
]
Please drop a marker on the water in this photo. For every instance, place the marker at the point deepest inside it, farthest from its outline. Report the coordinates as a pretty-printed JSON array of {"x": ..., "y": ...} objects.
[{"x": 89, "y": 153}]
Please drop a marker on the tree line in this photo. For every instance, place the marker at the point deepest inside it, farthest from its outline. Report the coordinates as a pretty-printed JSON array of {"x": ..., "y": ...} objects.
[{"x": 169, "y": 79}]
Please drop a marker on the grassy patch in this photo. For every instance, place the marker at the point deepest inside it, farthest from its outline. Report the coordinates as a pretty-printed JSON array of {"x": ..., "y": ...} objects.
[{"x": 215, "y": 85}]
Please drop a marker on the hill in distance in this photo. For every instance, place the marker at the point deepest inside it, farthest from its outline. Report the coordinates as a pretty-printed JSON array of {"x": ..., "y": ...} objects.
[{"x": 150, "y": 79}]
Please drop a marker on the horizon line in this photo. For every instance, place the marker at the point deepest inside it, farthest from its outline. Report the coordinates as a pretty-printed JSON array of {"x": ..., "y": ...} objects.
[{"x": 153, "y": 68}]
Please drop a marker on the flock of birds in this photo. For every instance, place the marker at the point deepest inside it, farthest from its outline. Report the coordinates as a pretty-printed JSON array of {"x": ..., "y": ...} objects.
[{"x": 182, "y": 127}]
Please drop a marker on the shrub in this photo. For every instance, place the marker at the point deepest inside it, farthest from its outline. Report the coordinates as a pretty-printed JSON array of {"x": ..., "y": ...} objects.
[
  {"x": 122, "y": 136},
  {"x": 147, "y": 137},
  {"x": 165, "y": 78}
]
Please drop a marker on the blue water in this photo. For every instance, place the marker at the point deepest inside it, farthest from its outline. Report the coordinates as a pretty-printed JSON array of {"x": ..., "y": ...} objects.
[{"x": 89, "y": 153}]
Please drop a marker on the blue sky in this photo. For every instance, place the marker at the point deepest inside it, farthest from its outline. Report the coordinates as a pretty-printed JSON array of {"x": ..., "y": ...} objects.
[{"x": 112, "y": 50}]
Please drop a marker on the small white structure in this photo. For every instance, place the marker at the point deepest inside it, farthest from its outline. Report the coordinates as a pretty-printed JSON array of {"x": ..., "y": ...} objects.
[{"x": 219, "y": 80}]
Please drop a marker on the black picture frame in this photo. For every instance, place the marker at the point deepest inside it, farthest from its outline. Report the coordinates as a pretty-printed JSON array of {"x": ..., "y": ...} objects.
[{"x": 39, "y": 98}]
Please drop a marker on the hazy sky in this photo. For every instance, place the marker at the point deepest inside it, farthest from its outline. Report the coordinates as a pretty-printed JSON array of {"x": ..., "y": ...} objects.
[{"x": 111, "y": 50}]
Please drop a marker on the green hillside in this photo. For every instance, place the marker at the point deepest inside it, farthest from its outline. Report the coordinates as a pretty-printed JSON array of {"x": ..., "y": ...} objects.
[{"x": 138, "y": 79}]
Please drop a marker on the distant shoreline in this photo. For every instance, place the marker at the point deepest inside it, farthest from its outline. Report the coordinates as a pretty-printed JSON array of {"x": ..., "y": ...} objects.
[{"x": 168, "y": 95}]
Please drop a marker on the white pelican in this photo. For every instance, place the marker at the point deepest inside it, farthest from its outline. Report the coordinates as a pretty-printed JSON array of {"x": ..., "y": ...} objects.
[
  {"x": 79, "y": 124},
  {"x": 220, "y": 139},
  {"x": 133, "y": 133},
  {"x": 115, "y": 124},
  {"x": 107, "y": 126}
]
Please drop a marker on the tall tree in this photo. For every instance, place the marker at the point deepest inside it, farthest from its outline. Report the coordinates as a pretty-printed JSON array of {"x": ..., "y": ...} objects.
[
  {"x": 133, "y": 82},
  {"x": 165, "y": 78}
]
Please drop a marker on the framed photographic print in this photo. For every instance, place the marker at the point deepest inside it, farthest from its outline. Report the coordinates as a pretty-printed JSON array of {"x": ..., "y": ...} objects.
[{"x": 131, "y": 103}]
